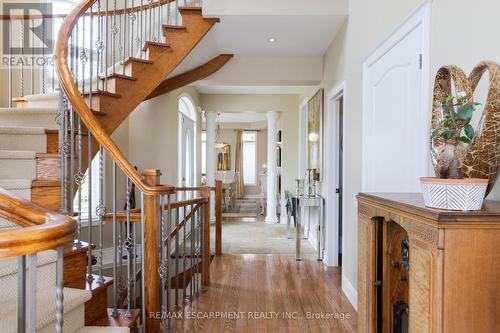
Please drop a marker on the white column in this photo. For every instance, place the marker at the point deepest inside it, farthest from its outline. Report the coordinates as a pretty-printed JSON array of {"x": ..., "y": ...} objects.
[
  {"x": 272, "y": 169},
  {"x": 210, "y": 117}
]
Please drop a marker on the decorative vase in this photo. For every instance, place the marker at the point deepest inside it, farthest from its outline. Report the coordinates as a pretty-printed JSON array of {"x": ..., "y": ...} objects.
[{"x": 454, "y": 194}]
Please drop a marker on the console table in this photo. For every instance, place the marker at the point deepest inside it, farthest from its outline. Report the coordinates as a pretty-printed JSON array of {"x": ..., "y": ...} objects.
[
  {"x": 299, "y": 202},
  {"x": 423, "y": 270}
]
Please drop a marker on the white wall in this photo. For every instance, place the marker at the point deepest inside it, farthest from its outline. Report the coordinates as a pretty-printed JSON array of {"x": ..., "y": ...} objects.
[{"x": 453, "y": 40}]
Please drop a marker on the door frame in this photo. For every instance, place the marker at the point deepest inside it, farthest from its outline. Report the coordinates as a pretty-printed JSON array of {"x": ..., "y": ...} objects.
[
  {"x": 332, "y": 175},
  {"x": 420, "y": 17}
]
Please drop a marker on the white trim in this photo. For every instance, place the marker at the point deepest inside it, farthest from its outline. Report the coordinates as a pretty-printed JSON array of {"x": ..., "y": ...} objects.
[
  {"x": 331, "y": 175},
  {"x": 350, "y": 292},
  {"x": 420, "y": 17},
  {"x": 302, "y": 138}
]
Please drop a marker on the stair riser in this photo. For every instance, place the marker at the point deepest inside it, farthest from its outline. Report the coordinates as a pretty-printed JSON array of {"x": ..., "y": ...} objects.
[
  {"x": 31, "y": 142},
  {"x": 46, "y": 277},
  {"x": 96, "y": 308},
  {"x": 47, "y": 168},
  {"x": 17, "y": 169},
  {"x": 173, "y": 36},
  {"x": 100, "y": 103},
  {"x": 154, "y": 52},
  {"x": 115, "y": 84},
  {"x": 132, "y": 67},
  {"x": 48, "y": 197},
  {"x": 19, "y": 119}
]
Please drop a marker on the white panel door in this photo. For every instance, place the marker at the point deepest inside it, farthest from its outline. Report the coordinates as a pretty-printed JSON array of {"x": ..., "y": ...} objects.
[{"x": 394, "y": 124}]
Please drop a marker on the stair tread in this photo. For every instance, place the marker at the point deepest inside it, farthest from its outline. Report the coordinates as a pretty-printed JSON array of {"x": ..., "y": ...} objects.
[
  {"x": 103, "y": 329},
  {"x": 159, "y": 44},
  {"x": 45, "y": 183},
  {"x": 95, "y": 286},
  {"x": 17, "y": 154},
  {"x": 121, "y": 76},
  {"x": 46, "y": 155},
  {"x": 121, "y": 321},
  {"x": 15, "y": 184},
  {"x": 8, "y": 266},
  {"x": 172, "y": 26},
  {"x": 24, "y": 130},
  {"x": 29, "y": 110},
  {"x": 145, "y": 61},
  {"x": 103, "y": 92},
  {"x": 46, "y": 314}
]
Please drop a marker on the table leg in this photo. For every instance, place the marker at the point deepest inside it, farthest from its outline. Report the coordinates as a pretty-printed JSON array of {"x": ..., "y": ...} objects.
[
  {"x": 320, "y": 232},
  {"x": 298, "y": 234}
]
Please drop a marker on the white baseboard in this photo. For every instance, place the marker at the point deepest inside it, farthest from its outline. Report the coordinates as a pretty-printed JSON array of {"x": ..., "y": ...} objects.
[{"x": 350, "y": 292}]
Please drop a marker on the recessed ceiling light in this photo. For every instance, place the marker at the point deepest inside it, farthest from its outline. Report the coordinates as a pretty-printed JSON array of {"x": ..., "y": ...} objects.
[{"x": 271, "y": 39}]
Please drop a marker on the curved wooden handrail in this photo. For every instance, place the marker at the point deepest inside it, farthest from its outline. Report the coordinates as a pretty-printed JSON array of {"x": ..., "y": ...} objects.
[
  {"x": 42, "y": 229},
  {"x": 84, "y": 112},
  {"x": 96, "y": 13}
]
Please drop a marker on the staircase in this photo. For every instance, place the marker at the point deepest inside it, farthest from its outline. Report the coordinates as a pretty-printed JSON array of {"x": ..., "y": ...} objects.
[{"x": 47, "y": 143}]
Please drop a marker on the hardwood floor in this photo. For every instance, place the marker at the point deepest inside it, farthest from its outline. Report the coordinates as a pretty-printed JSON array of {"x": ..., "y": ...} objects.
[{"x": 269, "y": 293}]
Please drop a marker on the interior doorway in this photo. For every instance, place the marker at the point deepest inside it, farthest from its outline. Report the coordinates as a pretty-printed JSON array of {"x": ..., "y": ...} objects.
[{"x": 335, "y": 177}]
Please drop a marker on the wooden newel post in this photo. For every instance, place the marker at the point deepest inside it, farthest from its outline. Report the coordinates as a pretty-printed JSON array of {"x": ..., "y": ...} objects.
[
  {"x": 151, "y": 227},
  {"x": 218, "y": 217},
  {"x": 205, "y": 280}
]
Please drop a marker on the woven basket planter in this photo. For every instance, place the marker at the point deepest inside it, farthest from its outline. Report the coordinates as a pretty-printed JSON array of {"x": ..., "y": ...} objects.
[{"x": 454, "y": 194}]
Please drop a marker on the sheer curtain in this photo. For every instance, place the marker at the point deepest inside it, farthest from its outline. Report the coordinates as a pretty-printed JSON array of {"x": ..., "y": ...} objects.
[{"x": 238, "y": 165}]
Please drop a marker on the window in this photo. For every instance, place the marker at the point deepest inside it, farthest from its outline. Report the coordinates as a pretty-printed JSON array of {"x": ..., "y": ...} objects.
[
  {"x": 249, "y": 158},
  {"x": 84, "y": 189},
  {"x": 204, "y": 152},
  {"x": 186, "y": 107}
]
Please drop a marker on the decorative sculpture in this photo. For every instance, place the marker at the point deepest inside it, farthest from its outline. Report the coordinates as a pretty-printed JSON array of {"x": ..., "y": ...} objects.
[{"x": 481, "y": 157}]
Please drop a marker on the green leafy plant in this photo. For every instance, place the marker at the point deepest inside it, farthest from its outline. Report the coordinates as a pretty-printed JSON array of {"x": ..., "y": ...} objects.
[
  {"x": 454, "y": 128},
  {"x": 456, "y": 123}
]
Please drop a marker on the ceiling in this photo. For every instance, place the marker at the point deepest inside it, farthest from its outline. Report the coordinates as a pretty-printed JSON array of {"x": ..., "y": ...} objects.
[
  {"x": 296, "y": 35},
  {"x": 303, "y": 32}
]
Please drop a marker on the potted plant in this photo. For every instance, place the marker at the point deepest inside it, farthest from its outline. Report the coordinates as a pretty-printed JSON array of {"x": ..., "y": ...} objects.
[{"x": 450, "y": 190}]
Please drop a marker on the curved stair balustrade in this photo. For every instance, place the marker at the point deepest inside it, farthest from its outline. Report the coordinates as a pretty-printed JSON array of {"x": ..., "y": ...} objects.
[{"x": 109, "y": 59}]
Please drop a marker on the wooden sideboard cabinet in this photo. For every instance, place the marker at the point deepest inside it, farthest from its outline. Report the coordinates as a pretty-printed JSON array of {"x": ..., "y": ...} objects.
[{"x": 451, "y": 280}]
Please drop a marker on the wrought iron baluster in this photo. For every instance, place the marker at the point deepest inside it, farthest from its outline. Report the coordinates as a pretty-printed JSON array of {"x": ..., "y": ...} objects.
[
  {"x": 90, "y": 277},
  {"x": 163, "y": 268},
  {"x": 124, "y": 36},
  {"x": 184, "y": 258},
  {"x": 100, "y": 212},
  {"x": 115, "y": 285},
  {"x": 59, "y": 290},
  {"x": 22, "y": 57},
  {"x": 193, "y": 269},
  {"x": 129, "y": 244},
  {"x": 32, "y": 69},
  {"x": 21, "y": 294},
  {"x": 176, "y": 262},
  {"x": 10, "y": 65},
  {"x": 31, "y": 291},
  {"x": 43, "y": 57}
]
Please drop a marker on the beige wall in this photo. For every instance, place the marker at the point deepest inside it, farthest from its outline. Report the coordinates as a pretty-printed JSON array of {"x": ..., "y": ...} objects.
[
  {"x": 153, "y": 134},
  {"x": 370, "y": 22}
]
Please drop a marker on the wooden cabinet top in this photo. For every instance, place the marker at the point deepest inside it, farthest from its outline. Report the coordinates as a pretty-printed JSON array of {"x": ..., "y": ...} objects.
[{"x": 411, "y": 205}]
